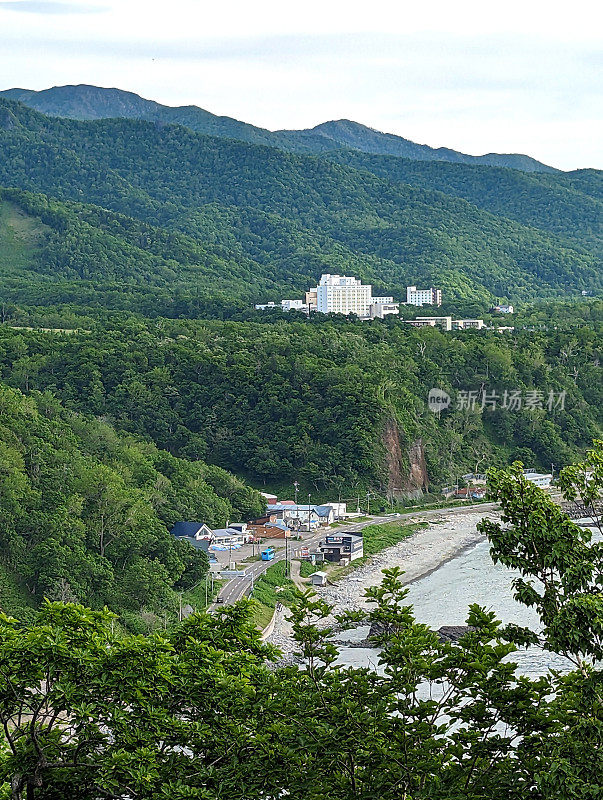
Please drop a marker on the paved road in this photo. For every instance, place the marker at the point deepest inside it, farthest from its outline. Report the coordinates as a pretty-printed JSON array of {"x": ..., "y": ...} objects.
[{"x": 236, "y": 588}]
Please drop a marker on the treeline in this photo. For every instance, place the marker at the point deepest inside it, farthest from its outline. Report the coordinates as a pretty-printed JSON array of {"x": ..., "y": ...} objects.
[
  {"x": 86, "y": 511},
  {"x": 337, "y": 404}
]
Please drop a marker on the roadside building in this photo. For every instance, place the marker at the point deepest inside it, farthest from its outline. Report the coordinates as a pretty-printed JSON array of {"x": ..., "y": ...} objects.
[
  {"x": 342, "y": 548},
  {"x": 538, "y": 479},
  {"x": 268, "y": 497},
  {"x": 198, "y": 531},
  {"x": 277, "y": 529},
  {"x": 339, "y": 509},
  {"x": 297, "y": 517},
  {"x": 326, "y": 514},
  {"x": 230, "y": 537}
]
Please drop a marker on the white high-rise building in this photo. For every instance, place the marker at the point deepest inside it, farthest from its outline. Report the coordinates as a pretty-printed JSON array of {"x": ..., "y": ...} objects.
[
  {"x": 340, "y": 294},
  {"x": 423, "y": 297}
]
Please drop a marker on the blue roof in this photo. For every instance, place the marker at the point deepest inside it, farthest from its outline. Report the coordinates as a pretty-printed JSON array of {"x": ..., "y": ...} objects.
[
  {"x": 186, "y": 528},
  {"x": 323, "y": 511}
]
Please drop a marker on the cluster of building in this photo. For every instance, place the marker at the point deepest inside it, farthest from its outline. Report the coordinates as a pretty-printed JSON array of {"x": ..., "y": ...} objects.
[
  {"x": 475, "y": 488},
  {"x": 282, "y": 520},
  {"x": 343, "y": 294}
]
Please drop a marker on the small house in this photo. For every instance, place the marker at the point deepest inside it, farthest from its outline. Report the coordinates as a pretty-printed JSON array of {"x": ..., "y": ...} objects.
[{"x": 318, "y": 579}]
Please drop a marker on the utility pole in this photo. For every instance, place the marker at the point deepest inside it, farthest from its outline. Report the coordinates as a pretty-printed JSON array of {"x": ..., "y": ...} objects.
[
  {"x": 287, "y": 570},
  {"x": 309, "y": 496},
  {"x": 296, "y": 484},
  {"x": 368, "y": 503}
]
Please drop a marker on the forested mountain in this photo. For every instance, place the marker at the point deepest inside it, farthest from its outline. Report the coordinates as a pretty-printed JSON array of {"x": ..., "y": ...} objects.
[
  {"x": 94, "y": 102},
  {"x": 567, "y": 204},
  {"x": 285, "y": 218},
  {"x": 336, "y": 404},
  {"x": 367, "y": 140},
  {"x": 86, "y": 511}
]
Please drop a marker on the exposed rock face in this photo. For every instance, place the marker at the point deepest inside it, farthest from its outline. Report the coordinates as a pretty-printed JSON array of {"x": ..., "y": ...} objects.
[{"x": 406, "y": 473}]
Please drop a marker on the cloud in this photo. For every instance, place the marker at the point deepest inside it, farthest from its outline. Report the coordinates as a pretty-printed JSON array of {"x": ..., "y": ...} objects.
[{"x": 49, "y": 7}]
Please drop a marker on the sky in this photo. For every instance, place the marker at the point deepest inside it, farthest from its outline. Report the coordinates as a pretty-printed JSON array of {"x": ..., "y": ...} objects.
[{"x": 512, "y": 77}]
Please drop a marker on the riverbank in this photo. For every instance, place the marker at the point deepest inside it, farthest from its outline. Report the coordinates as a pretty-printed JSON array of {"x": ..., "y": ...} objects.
[{"x": 446, "y": 537}]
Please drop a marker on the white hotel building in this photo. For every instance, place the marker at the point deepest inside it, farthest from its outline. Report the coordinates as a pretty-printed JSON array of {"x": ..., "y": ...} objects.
[{"x": 340, "y": 294}]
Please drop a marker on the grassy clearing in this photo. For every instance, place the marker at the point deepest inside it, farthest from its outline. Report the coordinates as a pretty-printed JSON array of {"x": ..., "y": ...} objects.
[
  {"x": 272, "y": 588},
  {"x": 20, "y": 239},
  {"x": 307, "y": 568}
]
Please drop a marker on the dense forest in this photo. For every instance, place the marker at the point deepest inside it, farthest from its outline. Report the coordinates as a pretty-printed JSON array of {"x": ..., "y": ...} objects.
[
  {"x": 337, "y": 404},
  {"x": 86, "y": 513},
  {"x": 258, "y": 223}
]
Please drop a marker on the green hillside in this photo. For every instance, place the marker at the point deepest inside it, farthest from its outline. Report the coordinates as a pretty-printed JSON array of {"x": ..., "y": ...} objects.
[
  {"x": 563, "y": 204},
  {"x": 86, "y": 511},
  {"x": 262, "y": 222}
]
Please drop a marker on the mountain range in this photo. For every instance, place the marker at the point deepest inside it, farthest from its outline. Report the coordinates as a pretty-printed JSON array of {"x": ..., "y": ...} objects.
[
  {"x": 146, "y": 215},
  {"x": 93, "y": 102}
]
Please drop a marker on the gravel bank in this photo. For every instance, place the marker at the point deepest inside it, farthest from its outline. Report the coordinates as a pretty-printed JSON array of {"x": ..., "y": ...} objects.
[{"x": 446, "y": 537}]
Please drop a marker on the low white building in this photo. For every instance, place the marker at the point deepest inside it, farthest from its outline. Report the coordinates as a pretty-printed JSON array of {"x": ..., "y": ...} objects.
[
  {"x": 466, "y": 324},
  {"x": 435, "y": 322},
  {"x": 537, "y": 478},
  {"x": 294, "y": 305},
  {"x": 378, "y": 310}
]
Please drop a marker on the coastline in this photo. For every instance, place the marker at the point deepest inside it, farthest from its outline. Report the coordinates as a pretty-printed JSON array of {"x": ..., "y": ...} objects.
[{"x": 446, "y": 538}]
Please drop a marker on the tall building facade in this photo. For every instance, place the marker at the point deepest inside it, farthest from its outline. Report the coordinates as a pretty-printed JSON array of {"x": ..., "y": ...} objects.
[
  {"x": 423, "y": 297},
  {"x": 340, "y": 294}
]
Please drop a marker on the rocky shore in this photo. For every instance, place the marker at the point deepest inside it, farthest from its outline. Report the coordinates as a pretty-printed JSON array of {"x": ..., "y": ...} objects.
[{"x": 426, "y": 550}]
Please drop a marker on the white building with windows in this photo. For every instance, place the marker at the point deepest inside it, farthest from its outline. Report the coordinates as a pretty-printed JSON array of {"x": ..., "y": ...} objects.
[
  {"x": 538, "y": 479},
  {"x": 341, "y": 294},
  {"x": 423, "y": 297}
]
